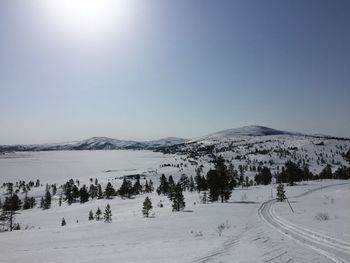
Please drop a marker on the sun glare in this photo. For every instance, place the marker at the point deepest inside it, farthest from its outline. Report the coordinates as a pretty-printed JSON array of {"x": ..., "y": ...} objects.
[{"x": 88, "y": 19}]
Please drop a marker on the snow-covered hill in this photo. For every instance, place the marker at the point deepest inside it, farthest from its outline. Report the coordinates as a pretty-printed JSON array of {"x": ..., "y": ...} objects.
[
  {"x": 252, "y": 130},
  {"x": 96, "y": 143},
  {"x": 254, "y": 146}
]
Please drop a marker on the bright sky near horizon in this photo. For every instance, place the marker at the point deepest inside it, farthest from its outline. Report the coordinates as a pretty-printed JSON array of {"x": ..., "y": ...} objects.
[{"x": 134, "y": 69}]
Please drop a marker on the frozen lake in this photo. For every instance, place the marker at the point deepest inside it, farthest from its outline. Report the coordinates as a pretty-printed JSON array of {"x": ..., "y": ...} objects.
[{"x": 58, "y": 166}]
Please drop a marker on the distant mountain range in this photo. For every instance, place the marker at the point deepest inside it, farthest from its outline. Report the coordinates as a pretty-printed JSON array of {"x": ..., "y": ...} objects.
[
  {"x": 96, "y": 143},
  {"x": 105, "y": 143}
]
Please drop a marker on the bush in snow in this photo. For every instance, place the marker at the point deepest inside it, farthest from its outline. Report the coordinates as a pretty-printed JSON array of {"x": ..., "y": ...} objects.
[
  {"x": 222, "y": 227},
  {"x": 322, "y": 216}
]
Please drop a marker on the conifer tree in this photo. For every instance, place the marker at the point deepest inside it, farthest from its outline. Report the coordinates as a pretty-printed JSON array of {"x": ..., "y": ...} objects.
[
  {"x": 163, "y": 185},
  {"x": 178, "y": 198},
  {"x": 60, "y": 200},
  {"x": 281, "y": 192},
  {"x": 26, "y": 202},
  {"x": 99, "y": 192},
  {"x": 218, "y": 182},
  {"x": 109, "y": 191},
  {"x": 108, "y": 214},
  {"x": 125, "y": 189},
  {"x": 147, "y": 207},
  {"x": 191, "y": 186},
  {"x": 91, "y": 215},
  {"x": 47, "y": 200},
  {"x": 137, "y": 188},
  {"x": 84, "y": 195},
  {"x": 42, "y": 202},
  {"x": 98, "y": 214}
]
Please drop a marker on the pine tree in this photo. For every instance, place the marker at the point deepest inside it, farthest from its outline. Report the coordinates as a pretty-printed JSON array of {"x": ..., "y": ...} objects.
[
  {"x": 26, "y": 202},
  {"x": 47, "y": 200},
  {"x": 60, "y": 200},
  {"x": 218, "y": 182},
  {"x": 192, "y": 186},
  {"x": 99, "y": 192},
  {"x": 109, "y": 191},
  {"x": 125, "y": 189},
  {"x": 137, "y": 188},
  {"x": 98, "y": 214},
  {"x": 63, "y": 223},
  {"x": 91, "y": 215},
  {"x": 147, "y": 207},
  {"x": 163, "y": 185},
  {"x": 42, "y": 202},
  {"x": 281, "y": 192},
  {"x": 178, "y": 198},
  {"x": 84, "y": 195},
  {"x": 108, "y": 214}
]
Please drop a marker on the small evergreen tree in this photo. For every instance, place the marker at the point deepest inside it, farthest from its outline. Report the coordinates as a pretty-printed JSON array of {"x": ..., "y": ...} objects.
[
  {"x": 47, "y": 200},
  {"x": 98, "y": 214},
  {"x": 91, "y": 215},
  {"x": 178, "y": 198},
  {"x": 109, "y": 191},
  {"x": 147, "y": 207},
  {"x": 63, "y": 223},
  {"x": 99, "y": 192},
  {"x": 108, "y": 214},
  {"x": 281, "y": 192},
  {"x": 26, "y": 202}
]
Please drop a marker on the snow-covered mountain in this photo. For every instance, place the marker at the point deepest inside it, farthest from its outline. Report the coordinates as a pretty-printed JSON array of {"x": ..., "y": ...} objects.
[
  {"x": 97, "y": 143},
  {"x": 253, "y": 146},
  {"x": 251, "y": 131}
]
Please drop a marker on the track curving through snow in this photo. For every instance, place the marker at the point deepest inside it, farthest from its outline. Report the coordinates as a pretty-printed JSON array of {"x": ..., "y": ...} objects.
[{"x": 336, "y": 250}]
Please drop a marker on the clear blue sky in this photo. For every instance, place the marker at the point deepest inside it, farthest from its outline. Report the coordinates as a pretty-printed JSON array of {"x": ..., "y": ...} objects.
[{"x": 172, "y": 68}]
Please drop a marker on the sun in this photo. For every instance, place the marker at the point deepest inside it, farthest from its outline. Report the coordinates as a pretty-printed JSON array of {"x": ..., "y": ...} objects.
[{"x": 88, "y": 19}]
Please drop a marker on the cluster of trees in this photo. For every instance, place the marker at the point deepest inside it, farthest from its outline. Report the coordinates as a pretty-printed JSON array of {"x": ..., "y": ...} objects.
[
  {"x": 9, "y": 208},
  {"x": 21, "y": 185},
  {"x": 73, "y": 193},
  {"x": 107, "y": 216},
  {"x": 292, "y": 173},
  {"x": 174, "y": 191},
  {"x": 221, "y": 181},
  {"x": 264, "y": 176}
]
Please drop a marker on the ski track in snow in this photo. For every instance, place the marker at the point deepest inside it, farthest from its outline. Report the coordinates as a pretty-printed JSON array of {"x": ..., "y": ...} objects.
[{"x": 336, "y": 250}]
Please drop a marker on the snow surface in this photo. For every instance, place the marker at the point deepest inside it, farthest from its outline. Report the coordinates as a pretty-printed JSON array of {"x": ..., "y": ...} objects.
[{"x": 189, "y": 236}]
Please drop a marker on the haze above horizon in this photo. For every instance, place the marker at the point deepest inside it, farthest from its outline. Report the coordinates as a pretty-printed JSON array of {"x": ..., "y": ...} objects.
[{"x": 128, "y": 69}]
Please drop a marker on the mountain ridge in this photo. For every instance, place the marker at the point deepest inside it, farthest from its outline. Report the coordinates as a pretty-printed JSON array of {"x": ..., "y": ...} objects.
[{"x": 106, "y": 143}]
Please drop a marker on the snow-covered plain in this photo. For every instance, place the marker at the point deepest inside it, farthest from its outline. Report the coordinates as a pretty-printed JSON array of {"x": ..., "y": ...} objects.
[{"x": 189, "y": 236}]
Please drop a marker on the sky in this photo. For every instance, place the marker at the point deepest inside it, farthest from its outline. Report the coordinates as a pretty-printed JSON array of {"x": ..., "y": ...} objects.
[{"x": 141, "y": 70}]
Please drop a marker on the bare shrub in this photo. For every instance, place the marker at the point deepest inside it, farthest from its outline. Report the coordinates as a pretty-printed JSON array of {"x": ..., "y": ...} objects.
[
  {"x": 322, "y": 216},
  {"x": 221, "y": 227}
]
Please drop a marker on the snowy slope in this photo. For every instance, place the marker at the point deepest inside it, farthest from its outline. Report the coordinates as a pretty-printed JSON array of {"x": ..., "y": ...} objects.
[{"x": 252, "y": 130}]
